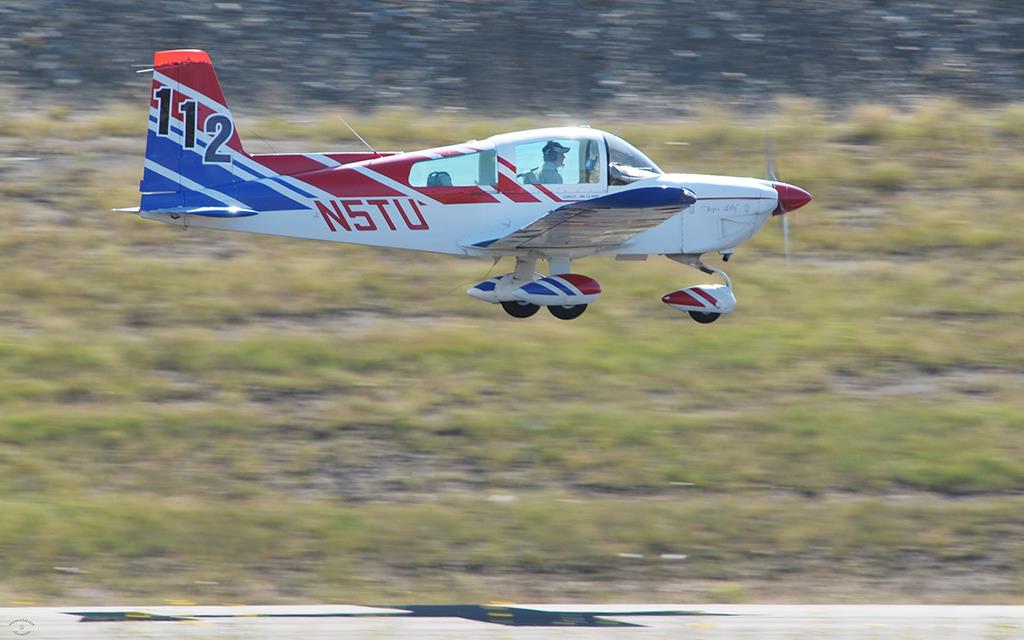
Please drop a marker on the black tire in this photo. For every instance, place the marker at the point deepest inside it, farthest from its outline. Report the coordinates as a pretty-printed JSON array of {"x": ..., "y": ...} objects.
[
  {"x": 567, "y": 313},
  {"x": 704, "y": 318},
  {"x": 518, "y": 309}
]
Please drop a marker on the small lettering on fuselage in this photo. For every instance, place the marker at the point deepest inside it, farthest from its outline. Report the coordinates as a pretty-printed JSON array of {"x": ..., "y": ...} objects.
[
  {"x": 721, "y": 207},
  {"x": 372, "y": 214}
]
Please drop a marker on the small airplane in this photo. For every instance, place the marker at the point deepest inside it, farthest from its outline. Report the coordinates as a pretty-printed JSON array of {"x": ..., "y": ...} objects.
[{"x": 553, "y": 194}]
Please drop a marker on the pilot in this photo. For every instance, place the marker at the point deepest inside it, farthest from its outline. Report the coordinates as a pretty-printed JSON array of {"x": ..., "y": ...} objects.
[{"x": 554, "y": 157}]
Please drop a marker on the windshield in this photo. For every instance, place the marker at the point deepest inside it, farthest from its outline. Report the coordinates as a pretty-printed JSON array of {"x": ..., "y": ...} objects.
[{"x": 626, "y": 163}]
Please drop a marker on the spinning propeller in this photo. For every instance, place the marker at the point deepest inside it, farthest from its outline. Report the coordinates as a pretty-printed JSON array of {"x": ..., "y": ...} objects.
[{"x": 790, "y": 197}]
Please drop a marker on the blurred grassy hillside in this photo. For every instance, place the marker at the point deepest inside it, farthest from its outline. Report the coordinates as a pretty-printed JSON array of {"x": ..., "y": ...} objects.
[{"x": 224, "y": 418}]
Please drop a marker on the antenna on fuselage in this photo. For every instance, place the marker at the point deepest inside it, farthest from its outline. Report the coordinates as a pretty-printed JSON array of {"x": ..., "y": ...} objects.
[{"x": 356, "y": 134}]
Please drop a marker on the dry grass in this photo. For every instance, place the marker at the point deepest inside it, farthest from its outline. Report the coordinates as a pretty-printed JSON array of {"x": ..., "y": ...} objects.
[{"x": 193, "y": 406}]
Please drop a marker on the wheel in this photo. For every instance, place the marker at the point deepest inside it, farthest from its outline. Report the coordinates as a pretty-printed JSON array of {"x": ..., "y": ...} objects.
[
  {"x": 570, "y": 312},
  {"x": 518, "y": 309},
  {"x": 704, "y": 318}
]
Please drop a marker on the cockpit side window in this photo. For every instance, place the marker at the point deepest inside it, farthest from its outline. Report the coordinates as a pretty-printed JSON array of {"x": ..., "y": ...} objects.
[
  {"x": 559, "y": 161},
  {"x": 550, "y": 161},
  {"x": 626, "y": 163}
]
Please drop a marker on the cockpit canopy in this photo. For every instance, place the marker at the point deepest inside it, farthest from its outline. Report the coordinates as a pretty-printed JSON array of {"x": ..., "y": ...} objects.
[
  {"x": 626, "y": 163},
  {"x": 585, "y": 160},
  {"x": 578, "y": 155}
]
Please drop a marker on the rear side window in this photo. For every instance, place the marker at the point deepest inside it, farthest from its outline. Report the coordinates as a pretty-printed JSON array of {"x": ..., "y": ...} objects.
[{"x": 473, "y": 169}]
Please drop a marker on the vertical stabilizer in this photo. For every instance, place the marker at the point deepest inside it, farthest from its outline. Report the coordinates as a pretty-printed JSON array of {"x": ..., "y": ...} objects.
[{"x": 192, "y": 142}]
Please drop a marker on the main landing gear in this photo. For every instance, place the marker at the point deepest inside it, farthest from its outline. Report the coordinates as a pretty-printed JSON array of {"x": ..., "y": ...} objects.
[
  {"x": 523, "y": 292},
  {"x": 570, "y": 312},
  {"x": 518, "y": 309}
]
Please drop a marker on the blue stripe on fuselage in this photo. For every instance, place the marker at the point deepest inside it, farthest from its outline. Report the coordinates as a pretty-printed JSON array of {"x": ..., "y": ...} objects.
[
  {"x": 195, "y": 169},
  {"x": 638, "y": 198},
  {"x": 255, "y": 194}
]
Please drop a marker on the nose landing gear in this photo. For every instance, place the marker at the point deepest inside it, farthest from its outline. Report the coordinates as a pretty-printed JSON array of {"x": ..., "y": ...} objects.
[
  {"x": 705, "y": 303},
  {"x": 705, "y": 318}
]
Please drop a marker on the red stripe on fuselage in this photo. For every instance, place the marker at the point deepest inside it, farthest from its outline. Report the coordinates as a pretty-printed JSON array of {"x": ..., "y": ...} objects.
[
  {"x": 348, "y": 157},
  {"x": 457, "y": 195},
  {"x": 343, "y": 182},
  {"x": 513, "y": 191},
  {"x": 288, "y": 163},
  {"x": 547, "y": 192},
  {"x": 396, "y": 167}
]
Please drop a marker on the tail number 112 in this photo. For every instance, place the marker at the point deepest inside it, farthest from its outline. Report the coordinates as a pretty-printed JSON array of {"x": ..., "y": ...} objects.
[{"x": 218, "y": 125}]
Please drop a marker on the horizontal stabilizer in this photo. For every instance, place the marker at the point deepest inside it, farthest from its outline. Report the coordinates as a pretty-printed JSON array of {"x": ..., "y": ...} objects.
[{"x": 206, "y": 212}]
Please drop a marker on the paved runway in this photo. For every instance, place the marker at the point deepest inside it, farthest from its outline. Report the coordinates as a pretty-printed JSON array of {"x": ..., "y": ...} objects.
[{"x": 515, "y": 622}]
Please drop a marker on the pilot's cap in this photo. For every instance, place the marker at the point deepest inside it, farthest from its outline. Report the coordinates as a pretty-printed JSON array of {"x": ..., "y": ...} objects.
[{"x": 554, "y": 147}]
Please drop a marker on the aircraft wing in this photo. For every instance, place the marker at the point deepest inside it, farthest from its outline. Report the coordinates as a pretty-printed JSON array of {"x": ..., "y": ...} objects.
[{"x": 605, "y": 221}]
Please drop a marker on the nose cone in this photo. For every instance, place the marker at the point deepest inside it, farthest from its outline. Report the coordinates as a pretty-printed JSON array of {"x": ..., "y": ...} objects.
[{"x": 790, "y": 198}]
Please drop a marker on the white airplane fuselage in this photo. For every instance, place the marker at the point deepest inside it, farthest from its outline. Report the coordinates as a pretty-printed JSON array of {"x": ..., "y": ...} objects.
[{"x": 543, "y": 194}]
